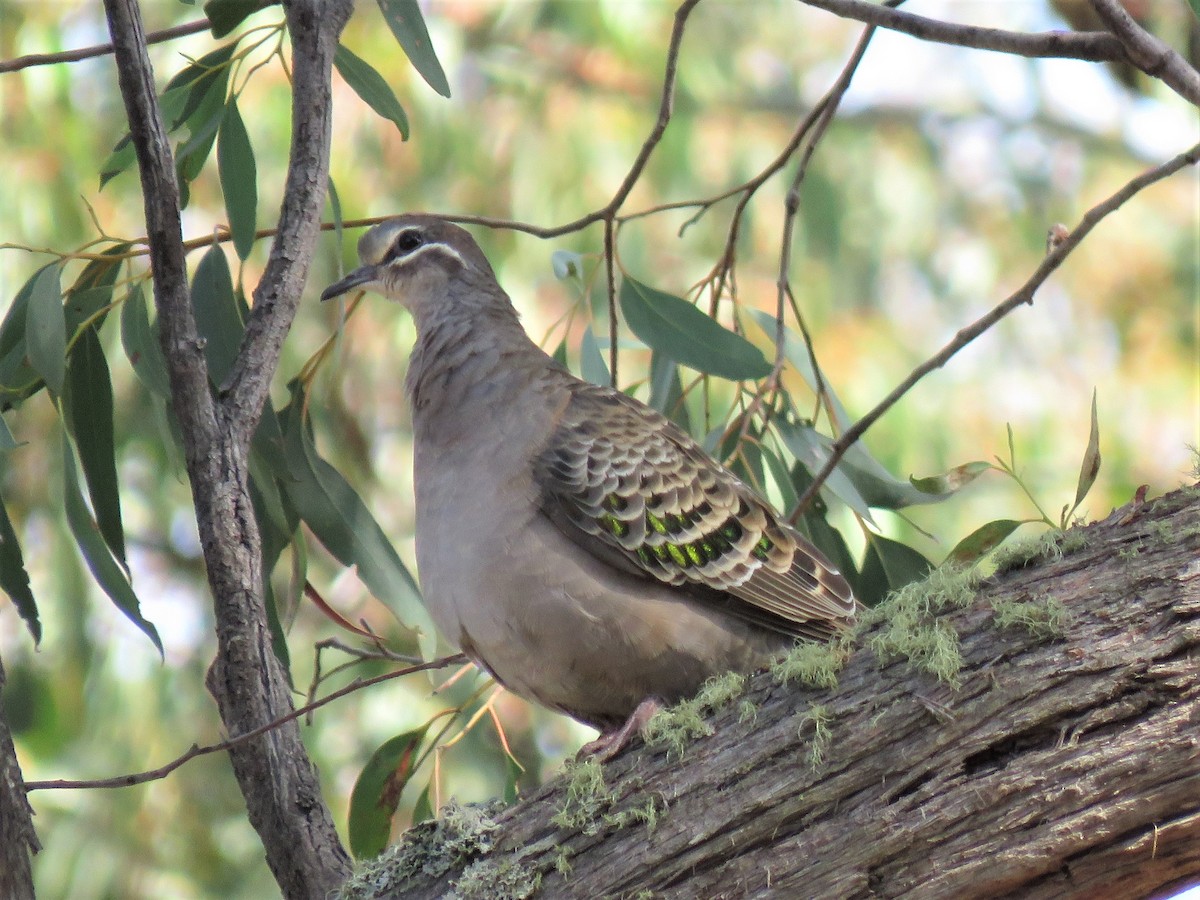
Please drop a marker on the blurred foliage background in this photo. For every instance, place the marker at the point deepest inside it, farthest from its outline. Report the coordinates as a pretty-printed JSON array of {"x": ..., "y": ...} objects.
[{"x": 927, "y": 202}]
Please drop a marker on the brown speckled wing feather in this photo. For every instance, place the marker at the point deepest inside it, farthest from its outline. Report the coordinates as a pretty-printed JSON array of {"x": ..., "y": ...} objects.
[{"x": 636, "y": 491}]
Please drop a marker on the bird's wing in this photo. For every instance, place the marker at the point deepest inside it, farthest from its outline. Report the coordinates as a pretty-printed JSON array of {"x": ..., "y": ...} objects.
[{"x": 634, "y": 490}]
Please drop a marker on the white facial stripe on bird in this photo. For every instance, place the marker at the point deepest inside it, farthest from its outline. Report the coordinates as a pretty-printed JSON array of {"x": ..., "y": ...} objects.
[{"x": 409, "y": 257}]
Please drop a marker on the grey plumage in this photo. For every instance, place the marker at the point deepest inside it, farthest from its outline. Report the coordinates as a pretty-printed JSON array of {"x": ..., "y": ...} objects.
[{"x": 572, "y": 541}]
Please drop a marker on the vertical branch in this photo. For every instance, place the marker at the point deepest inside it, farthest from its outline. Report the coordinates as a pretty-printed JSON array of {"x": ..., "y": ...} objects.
[
  {"x": 610, "y": 257},
  {"x": 276, "y": 777},
  {"x": 17, "y": 838}
]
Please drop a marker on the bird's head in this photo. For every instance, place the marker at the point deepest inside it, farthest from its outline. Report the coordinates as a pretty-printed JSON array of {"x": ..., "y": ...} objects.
[{"x": 414, "y": 259}]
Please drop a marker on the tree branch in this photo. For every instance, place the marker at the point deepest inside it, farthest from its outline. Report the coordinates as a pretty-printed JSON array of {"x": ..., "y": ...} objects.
[
  {"x": 1093, "y": 46},
  {"x": 68, "y": 56},
  {"x": 17, "y": 837},
  {"x": 314, "y": 28},
  {"x": 1062, "y": 762},
  {"x": 274, "y": 772},
  {"x": 1023, "y": 295},
  {"x": 196, "y": 750},
  {"x": 1148, "y": 53}
]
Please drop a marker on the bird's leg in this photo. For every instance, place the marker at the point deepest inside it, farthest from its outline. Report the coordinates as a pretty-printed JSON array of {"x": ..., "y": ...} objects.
[{"x": 610, "y": 743}]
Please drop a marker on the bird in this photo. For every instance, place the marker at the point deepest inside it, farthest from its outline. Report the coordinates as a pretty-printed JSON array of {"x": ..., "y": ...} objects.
[{"x": 574, "y": 543}]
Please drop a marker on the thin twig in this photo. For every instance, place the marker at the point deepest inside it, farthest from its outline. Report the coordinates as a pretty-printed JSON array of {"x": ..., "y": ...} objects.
[
  {"x": 196, "y": 750},
  {"x": 67, "y": 56},
  {"x": 1023, "y": 295}
]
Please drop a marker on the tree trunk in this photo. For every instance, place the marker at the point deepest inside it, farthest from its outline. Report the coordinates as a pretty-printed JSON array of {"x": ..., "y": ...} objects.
[
  {"x": 17, "y": 837},
  {"x": 1061, "y": 760}
]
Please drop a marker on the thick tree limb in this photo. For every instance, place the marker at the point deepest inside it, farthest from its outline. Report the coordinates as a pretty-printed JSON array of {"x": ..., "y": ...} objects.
[
  {"x": 1059, "y": 766},
  {"x": 277, "y": 779},
  {"x": 1148, "y": 53},
  {"x": 17, "y": 838},
  {"x": 1094, "y": 46}
]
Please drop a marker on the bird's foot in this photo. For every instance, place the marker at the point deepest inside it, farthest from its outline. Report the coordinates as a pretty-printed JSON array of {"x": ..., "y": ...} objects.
[{"x": 610, "y": 743}]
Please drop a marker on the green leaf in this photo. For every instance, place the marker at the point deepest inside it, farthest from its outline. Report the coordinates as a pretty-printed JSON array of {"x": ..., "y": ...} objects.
[
  {"x": 423, "y": 808},
  {"x": 681, "y": 331},
  {"x": 122, "y": 157},
  {"x": 566, "y": 264},
  {"x": 239, "y": 179},
  {"x": 141, "y": 344},
  {"x": 46, "y": 329},
  {"x": 666, "y": 390},
  {"x": 796, "y": 352},
  {"x": 1090, "y": 467},
  {"x": 342, "y": 523},
  {"x": 335, "y": 208},
  {"x": 377, "y": 792},
  {"x": 811, "y": 449},
  {"x": 202, "y": 127},
  {"x": 274, "y": 541},
  {"x": 89, "y": 406},
  {"x": 983, "y": 540},
  {"x": 17, "y": 378},
  {"x": 100, "y": 561},
  {"x": 370, "y": 86},
  {"x": 889, "y": 566},
  {"x": 226, "y": 15},
  {"x": 939, "y": 487},
  {"x": 218, "y": 315},
  {"x": 14, "y": 580},
  {"x": 591, "y": 361},
  {"x": 404, "y": 18},
  {"x": 7, "y": 441}
]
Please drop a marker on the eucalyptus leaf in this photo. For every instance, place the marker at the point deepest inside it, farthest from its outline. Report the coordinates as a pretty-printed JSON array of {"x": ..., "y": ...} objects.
[
  {"x": 226, "y": 15},
  {"x": 341, "y": 522},
  {"x": 46, "y": 329},
  {"x": 239, "y": 179},
  {"x": 796, "y": 352},
  {"x": 889, "y": 566},
  {"x": 1090, "y": 467},
  {"x": 88, "y": 402},
  {"x": 14, "y": 579},
  {"x": 404, "y": 18},
  {"x": 377, "y": 792},
  {"x": 679, "y": 330},
  {"x": 104, "y": 568},
  {"x": 218, "y": 315},
  {"x": 371, "y": 87},
  {"x": 591, "y": 361},
  {"x": 982, "y": 541},
  {"x": 141, "y": 344},
  {"x": 566, "y": 264}
]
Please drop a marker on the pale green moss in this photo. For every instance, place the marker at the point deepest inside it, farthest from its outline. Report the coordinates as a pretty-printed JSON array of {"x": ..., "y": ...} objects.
[
  {"x": 1043, "y": 616},
  {"x": 562, "y": 861},
  {"x": 812, "y": 663},
  {"x": 911, "y": 628},
  {"x": 432, "y": 848},
  {"x": 721, "y": 690},
  {"x": 647, "y": 813},
  {"x": 818, "y": 717},
  {"x": 488, "y": 879},
  {"x": 586, "y": 798},
  {"x": 747, "y": 711},
  {"x": 679, "y": 725}
]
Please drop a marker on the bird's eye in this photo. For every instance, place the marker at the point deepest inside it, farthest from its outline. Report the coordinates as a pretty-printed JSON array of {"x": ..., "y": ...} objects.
[{"x": 406, "y": 243}]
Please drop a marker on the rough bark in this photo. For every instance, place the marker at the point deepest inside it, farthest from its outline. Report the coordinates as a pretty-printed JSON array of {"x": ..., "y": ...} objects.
[
  {"x": 276, "y": 777},
  {"x": 18, "y": 840},
  {"x": 1057, "y": 765}
]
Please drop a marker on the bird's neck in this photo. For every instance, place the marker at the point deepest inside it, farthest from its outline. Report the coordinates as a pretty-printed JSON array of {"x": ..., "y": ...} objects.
[{"x": 465, "y": 365}]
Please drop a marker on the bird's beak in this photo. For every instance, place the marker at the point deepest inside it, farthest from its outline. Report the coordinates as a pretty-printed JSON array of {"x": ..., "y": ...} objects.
[{"x": 361, "y": 275}]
